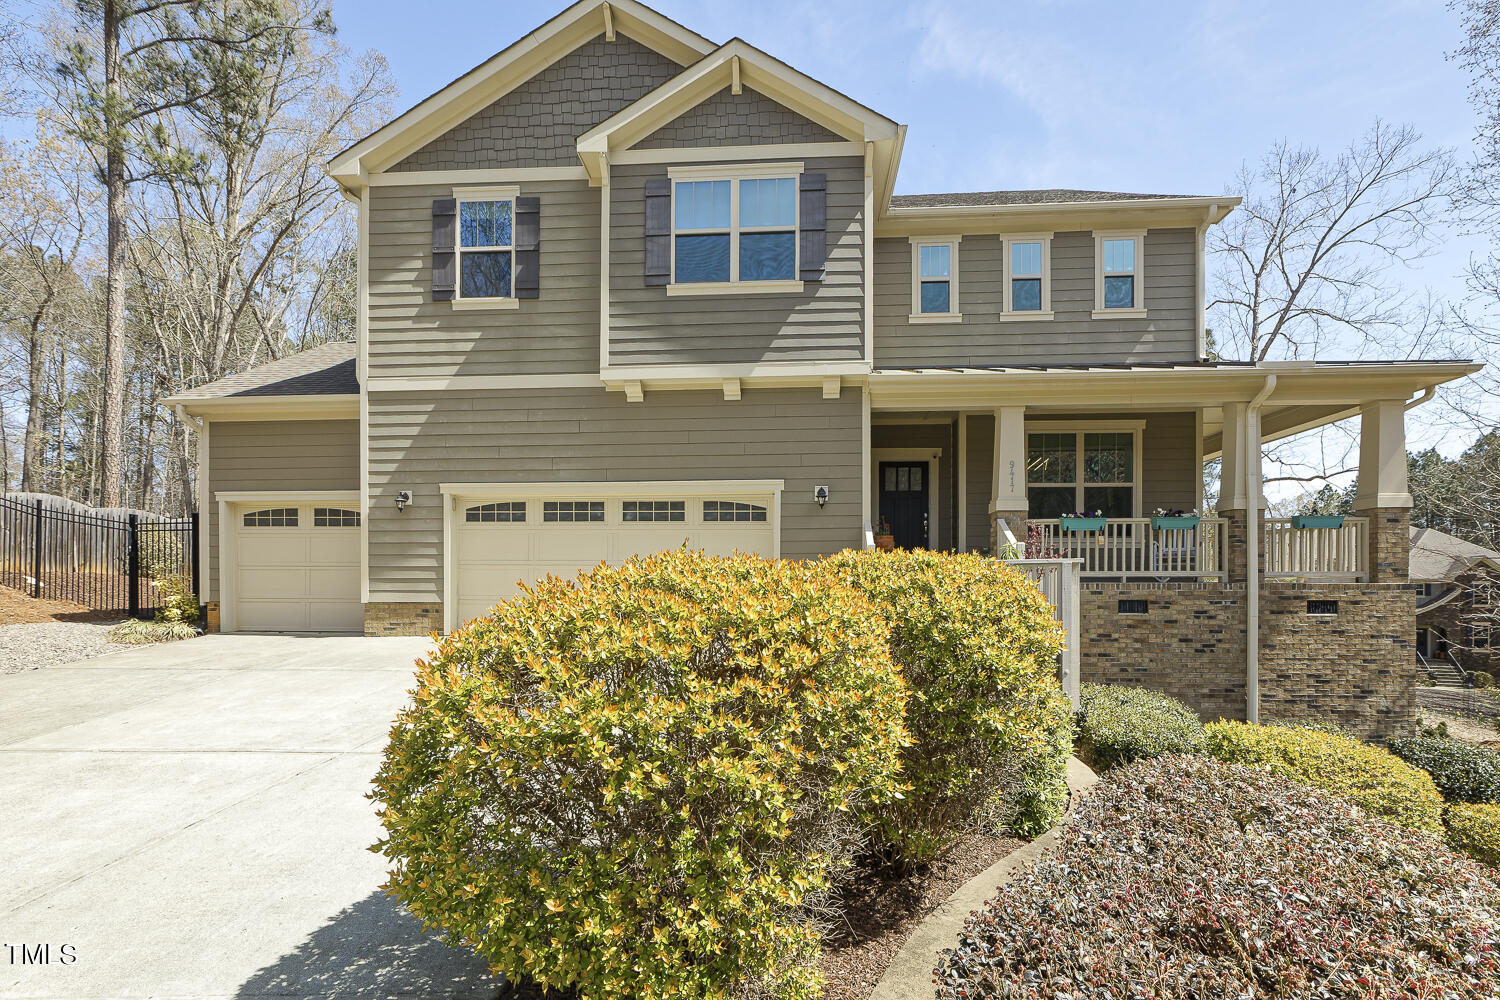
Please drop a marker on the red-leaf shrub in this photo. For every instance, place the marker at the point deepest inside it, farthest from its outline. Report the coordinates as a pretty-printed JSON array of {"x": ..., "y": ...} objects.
[{"x": 1183, "y": 877}]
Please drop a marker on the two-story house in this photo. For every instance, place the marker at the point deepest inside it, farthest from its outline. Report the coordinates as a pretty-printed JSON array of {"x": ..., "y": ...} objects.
[{"x": 623, "y": 288}]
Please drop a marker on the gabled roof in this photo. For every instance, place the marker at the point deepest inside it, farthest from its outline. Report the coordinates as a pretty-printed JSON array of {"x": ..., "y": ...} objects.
[
  {"x": 1436, "y": 555},
  {"x": 507, "y": 69},
  {"x": 327, "y": 370}
]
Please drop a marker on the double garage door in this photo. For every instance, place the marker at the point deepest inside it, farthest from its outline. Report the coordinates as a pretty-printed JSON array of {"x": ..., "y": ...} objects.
[
  {"x": 295, "y": 567},
  {"x": 500, "y": 540}
]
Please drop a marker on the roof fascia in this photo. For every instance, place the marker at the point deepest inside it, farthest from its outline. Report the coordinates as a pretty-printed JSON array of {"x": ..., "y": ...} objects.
[
  {"x": 332, "y": 406},
  {"x": 1056, "y": 216},
  {"x": 506, "y": 70}
]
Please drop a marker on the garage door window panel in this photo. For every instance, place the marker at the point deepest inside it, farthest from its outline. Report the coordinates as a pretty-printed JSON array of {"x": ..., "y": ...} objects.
[
  {"x": 573, "y": 511},
  {"x": 726, "y": 511},
  {"x": 512, "y": 512},
  {"x": 271, "y": 517},
  {"x": 335, "y": 517},
  {"x": 653, "y": 510}
]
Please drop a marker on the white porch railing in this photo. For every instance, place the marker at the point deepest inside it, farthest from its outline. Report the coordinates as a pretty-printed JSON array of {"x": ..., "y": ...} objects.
[
  {"x": 1341, "y": 553},
  {"x": 1060, "y": 582},
  {"x": 1131, "y": 548}
]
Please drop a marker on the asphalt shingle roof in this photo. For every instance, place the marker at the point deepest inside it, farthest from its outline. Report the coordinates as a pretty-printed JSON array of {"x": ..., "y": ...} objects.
[
  {"x": 1042, "y": 196},
  {"x": 1436, "y": 555},
  {"x": 327, "y": 370}
]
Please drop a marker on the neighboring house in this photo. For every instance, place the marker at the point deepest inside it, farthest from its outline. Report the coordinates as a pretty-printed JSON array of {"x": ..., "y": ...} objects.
[
  {"x": 1456, "y": 585},
  {"x": 778, "y": 355}
]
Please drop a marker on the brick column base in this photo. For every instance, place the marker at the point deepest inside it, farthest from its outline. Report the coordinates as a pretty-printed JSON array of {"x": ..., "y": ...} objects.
[
  {"x": 403, "y": 618},
  {"x": 1390, "y": 543},
  {"x": 1015, "y": 520},
  {"x": 211, "y": 616}
]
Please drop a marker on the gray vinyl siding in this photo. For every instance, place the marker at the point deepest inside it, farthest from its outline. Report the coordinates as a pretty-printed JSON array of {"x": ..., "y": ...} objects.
[
  {"x": 538, "y": 123},
  {"x": 727, "y": 119},
  {"x": 822, "y": 323},
  {"x": 1072, "y": 336},
  {"x": 271, "y": 455},
  {"x": 1170, "y": 472},
  {"x": 421, "y": 440},
  {"x": 411, "y": 335},
  {"x": 938, "y": 437}
]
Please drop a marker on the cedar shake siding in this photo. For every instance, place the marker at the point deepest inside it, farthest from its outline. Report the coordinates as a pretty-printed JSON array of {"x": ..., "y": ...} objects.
[
  {"x": 746, "y": 119},
  {"x": 412, "y": 335},
  {"x": 1072, "y": 336},
  {"x": 419, "y": 440},
  {"x": 821, "y": 323},
  {"x": 538, "y": 123},
  {"x": 270, "y": 455}
]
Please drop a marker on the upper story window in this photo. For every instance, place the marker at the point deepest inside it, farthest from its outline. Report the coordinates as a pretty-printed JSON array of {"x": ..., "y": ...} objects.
[
  {"x": 1028, "y": 281},
  {"x": 735, "y": 230},
  {"x": 934, "y": 280},
  {"x": 1118, "y": 285},
  {"x": 486, "y": 247}
]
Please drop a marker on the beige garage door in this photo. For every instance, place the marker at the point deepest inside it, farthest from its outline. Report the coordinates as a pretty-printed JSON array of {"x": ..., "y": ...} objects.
[
  {"x": 500, "y": 541},
  {"x": 296, "y": 568}
]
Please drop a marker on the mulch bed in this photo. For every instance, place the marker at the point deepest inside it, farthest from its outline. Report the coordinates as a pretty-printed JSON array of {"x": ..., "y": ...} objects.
[
  {"x": 17, "y": 607},
  {"x": 883, "y": 906}
]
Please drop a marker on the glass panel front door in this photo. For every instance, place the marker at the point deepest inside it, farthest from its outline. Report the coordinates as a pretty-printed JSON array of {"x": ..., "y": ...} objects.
[{"x": 903, "y": 502}]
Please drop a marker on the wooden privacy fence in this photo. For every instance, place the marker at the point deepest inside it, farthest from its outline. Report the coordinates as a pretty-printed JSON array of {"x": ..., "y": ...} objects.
[{"x": 103, "y": 560}]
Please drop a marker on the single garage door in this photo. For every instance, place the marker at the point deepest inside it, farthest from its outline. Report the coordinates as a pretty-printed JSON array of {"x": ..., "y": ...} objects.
[
  {"x": 296, "y": 568},
  {"x": 502, "y": 540}
]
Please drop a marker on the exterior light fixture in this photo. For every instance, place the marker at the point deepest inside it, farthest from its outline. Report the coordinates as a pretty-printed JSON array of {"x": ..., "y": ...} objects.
[
  {"x": 820, "y": 494},
  {"x": 402, "y": 499}
]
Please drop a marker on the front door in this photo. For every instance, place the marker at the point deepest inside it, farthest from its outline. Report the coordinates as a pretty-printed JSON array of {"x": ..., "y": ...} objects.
[{"x": 903, "y": 502}]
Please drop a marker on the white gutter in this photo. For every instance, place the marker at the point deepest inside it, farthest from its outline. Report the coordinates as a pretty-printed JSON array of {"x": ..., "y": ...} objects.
[
  {"x": 1427, "y": 394},
  {"x": 1252, "y": 558}
]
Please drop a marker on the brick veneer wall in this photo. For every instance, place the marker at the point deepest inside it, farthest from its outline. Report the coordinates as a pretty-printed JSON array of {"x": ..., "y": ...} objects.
[
  {"x": 403, "y": 618},
  {"x": 1390, "y": 544},
  {"x": 1355, "y": 668},
  {"x": 1449, "y": 616}
]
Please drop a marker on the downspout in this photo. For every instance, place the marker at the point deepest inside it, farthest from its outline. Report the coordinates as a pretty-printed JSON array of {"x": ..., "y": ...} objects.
[
  {"x": 1252, "y": 557},
  {"x": 1427, "y": 394}
]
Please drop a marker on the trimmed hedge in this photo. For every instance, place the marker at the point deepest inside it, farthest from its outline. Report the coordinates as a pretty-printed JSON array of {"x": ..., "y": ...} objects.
[
  {"x": 645, "y": 782},
  {"x": 1463, "y": 772},
  {"x": 1117, "y": 725},
  {"x": 1475, "y": 830},
  {"x": 977, "y": 645},
  {"x": 1181, "y": 878},
  {"x": 1372, "y": 778}
]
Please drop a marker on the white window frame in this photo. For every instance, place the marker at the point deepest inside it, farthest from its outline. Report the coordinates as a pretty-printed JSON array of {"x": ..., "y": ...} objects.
[
  {"x": 735, "y": 174},
  {"x": 1008, "y": 313},
  {"x": 461, "y": 195},
  {"x": 1136, "y": 428},
  {"x": 955, "y": 312},
  {"x": 1138, "y": 311}
]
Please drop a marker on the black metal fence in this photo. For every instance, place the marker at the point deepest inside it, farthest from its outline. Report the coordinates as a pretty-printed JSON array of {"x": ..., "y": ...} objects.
[{"x": 101, "y": 560}]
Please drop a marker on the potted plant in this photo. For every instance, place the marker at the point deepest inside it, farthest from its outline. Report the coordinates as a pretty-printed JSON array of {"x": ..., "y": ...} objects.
[
  {"x": 1083, "y": 521},
  {"x": 1303, "y": 521},
  {"x": 1163, "y": 518},
  {"x": 884, "y": 540}
]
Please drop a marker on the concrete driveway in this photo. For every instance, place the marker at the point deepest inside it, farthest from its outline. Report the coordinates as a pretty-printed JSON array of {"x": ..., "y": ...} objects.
[{"x": 189, "y": 821}]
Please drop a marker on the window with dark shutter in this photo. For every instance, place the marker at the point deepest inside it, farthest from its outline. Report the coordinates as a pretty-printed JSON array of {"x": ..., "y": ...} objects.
[
  {"x": 813, "y": 227},
  {"x": 658, "y": 230},
  {"x": 528, "y": 248},
  {"x": 444, "y": 248}
]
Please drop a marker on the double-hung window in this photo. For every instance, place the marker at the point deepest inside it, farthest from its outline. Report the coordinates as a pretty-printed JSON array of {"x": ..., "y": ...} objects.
[
  {"x": 1119, "y": 288},
  {"x": 734, "y": 232},
  {"x": 934, "y": 280},
  {"x": 486, "y": 246},
  {"x": 1028, "y": 277},
  {"x": 1081, "y": 471}
]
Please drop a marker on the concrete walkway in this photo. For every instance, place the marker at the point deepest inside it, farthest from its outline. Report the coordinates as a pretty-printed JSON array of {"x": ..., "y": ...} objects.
[
  {"x": 188, "y": 821},
  {"x": 910, "y": 972}
]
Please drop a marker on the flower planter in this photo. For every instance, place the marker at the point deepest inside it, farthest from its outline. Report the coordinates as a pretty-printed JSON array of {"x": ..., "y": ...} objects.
[
  {"x": 1304, "y": 521},
  {"x": 1081, "y": 523},
  {"x": 1175, "y": 521},
  {"x": 885, "y": 543}
]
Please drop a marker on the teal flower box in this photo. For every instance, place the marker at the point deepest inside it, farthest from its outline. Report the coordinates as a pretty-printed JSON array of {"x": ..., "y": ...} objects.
[
  {"x": 1304, "y": 521},
  {"x": 1081, "y": 523},
  {"x": 1175, "y": 521}
]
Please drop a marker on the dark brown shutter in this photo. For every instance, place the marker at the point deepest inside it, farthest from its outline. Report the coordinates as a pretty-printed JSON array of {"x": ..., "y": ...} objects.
[
  {"x": 813, "y": 229},
  {"x": 528, "y": 248},
  {"x": 658, "y": 230},
  {"x": 444, "y": 241}
]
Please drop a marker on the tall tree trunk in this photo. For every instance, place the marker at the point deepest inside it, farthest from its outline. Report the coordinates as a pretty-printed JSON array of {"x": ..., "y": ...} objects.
[
  {"x": 112, "y": 403},
  {"x": 31, "y": 456},
  {"x": 61, "y": 485}
]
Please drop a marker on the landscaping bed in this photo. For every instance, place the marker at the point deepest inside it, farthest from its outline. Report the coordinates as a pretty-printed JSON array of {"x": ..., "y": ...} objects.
[
  {"x": 18, "y": 608},
  {"x": 31, "y": 645}
]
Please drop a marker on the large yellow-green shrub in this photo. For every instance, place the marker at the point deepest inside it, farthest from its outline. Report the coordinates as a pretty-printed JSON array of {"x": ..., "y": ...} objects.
[
  {"x": 643, "y": 783},
  {"x": 1375, "y": 779},
  {"x": 991, "y": 731},
  {"x": 1475, "y": 830}
]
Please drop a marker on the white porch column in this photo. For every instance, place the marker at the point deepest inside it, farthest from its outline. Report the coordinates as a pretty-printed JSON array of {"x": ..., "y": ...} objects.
[
  {"x": 1008, "y": 503},
  {"x": 1383, "y": 495}
]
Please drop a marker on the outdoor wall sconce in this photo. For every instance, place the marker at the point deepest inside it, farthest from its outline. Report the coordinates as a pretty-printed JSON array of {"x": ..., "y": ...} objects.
[
  {"x": 820, "y": 494},
  {"x": 402, "y": 499}
]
